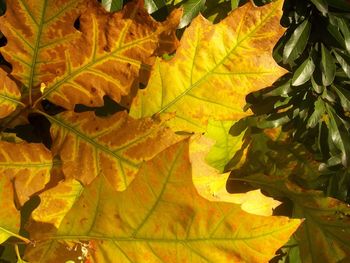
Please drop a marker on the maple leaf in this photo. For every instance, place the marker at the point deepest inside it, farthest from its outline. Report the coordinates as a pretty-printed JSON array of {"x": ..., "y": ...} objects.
[
  {"x": 214, "y": 68},
  {"x": 112, "y": 53},
  {"x": 9, "y": 95},
  {"x": 35, "y": 46},
  {"x": 113, "y": 147},
  {"x": 159, "y": 217},
  {"x": 27, "y": 165}
]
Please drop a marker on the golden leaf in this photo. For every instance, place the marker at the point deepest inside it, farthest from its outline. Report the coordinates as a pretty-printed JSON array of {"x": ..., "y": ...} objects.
[
  {"x": 111, "y": 54},
  {"x": 159, "y": 218},
  {"x": 214, "y": 68},
  {"x": 9, "y": 95},
  {"x": 113, "y": 147},
  {"x": 27, "y": 164}
]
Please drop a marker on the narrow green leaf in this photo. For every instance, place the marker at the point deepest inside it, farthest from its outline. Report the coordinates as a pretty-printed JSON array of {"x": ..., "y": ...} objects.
[
  {"x": 297, "y": 42},
  {"x": 112, "y": 5},
  {"x": 154, "y": 5},
  {"x": 344, "y": 28},
  {"x": 318, "y": 88},
  {"x": 344, "y": 61},
  {"x": 327, "y": 66},
  {"x": 234, "y": 4},
  {"x": 304, "y": 72},
  {"x": 321, "y": 5},
  {"x": 343, "y": 5},
  {"x": 339, "y": 135},
  {"x": 191, "y": 10},
  {"x": 316, "y": 116},
  {"x": 344, "y": 96}
]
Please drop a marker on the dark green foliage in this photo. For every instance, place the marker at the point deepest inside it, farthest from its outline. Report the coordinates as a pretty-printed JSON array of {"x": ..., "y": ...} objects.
[{"x": 312, "y": 102}]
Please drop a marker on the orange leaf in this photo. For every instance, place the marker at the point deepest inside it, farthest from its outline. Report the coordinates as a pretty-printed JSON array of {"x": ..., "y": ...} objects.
[
  {"x": 27, "y": 164},
  {"x": 111, "y": 54},
  {"x": 9, "y": 95},
  {"x": 36, "y": 32},
  {"x": 113, "y": 147}
]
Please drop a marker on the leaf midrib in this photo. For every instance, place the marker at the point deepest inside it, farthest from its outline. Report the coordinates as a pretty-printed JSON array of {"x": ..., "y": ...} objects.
[{"x": 212, "y": 71}]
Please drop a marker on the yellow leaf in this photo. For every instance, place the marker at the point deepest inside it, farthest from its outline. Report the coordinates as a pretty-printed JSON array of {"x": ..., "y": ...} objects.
[
  {"x": 212, "y": 185},
  {"x": 36, "y": 32},
  {"x": 9, "y": 215},
  {"x": 112, "y": 53},
  {"x": 159, "y": 218},
  {"x": 57, "y": 201},
  {"x": 214, "y": 68},
  {"x": 27, "y": 165},
  {"x": 9, "y": 95},
  {"x": 113, "y": 147}
]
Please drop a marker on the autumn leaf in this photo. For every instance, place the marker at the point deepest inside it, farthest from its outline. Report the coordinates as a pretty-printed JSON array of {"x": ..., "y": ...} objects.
[
  {"x": 9, "y": 215},
  {"x": 112, "y": 53},
  {"x": 225, "y": 145},
  {"x": 35, "y": 46},
  {"x": 113, "y": 147},
  {"x": 326, "y": 229},
  {"x": 57, "y": 201},
  {"x": 160, "y": 217},
  {"x": 27, "y": 165},
  {"x": 9, "y": 95},
  {"x": 275, "y": 167},
  {"x": 211, "y": 184},
  {"x": 214, "y": 68}
]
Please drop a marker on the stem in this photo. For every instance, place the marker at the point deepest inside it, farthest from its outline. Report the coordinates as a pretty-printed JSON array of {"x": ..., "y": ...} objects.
[{"x": 24, "y": 239}]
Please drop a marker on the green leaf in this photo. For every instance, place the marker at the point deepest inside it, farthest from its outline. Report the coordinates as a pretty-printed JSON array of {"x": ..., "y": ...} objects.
[
  {"x": 321, "y": 5},
  {"x": 112, "y": 5},
  {"x": 338, "y": 134},
  {"x": 191, "y": 10},
  {"x": 326, "y": 230},
  {"x": 303, "y": 72},
  {"x": 316, "y": 116},
  {"x": 344, "y": 61},
  {"x": 343, "y": 5},
  {"x": 234, "y": 4},
  {"x": 154, "y": 5},
  {"x": 297, "y": 42},
  {"x": 344, "y": 96},
  {"x": 275, "y": 167},
  {"x": 226, "y": 145},
  {"x": 345, "y": 30},
  {"x": 327, "y": 66}
]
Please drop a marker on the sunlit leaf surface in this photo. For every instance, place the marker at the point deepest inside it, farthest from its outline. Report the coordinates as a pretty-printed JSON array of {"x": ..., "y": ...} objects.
[
  {"x": 160, "y": 218},
  {"x": 214, "y": 68},
  {"x": 113, "y": 147}
]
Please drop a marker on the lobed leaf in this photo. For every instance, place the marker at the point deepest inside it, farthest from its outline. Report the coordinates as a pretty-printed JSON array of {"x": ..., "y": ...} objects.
[
  {"x": 159, "y": 218},
  {"x": 211, "y": 184},
  {"x": 214, "y": 68},
  {"x": 111, "y": 55},
  {"x": 113, "y": 147},
  {"x": 28, "y": 165},
  {"x": 9, "y": 95},
  {"x": 36, "y": 33},
  {"x": 9, "y": 215}
]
